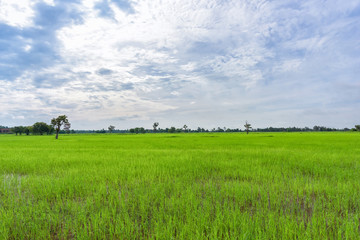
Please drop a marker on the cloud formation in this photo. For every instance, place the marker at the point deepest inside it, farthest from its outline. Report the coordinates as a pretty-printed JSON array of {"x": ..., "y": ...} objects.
[{"x": 204, "y": 63}]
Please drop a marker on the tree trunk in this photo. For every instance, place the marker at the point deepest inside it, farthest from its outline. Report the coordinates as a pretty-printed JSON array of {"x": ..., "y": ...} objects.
[{"x": 57, "y": 133}]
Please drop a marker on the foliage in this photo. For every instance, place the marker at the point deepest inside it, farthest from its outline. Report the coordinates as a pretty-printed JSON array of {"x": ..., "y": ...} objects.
[
  {"x": 247, "y": 127},
  {"x": 138, "y": 130},
  {"x": 18, "y": 130},
  {"x": 172, "y": 130},
  {"x": 58, "y": 122},
  {"x": 111, "y": 128},
  {"x": 101, "y": 131},
  {"x": 39, "y": 128},
  {"x": 29, "y": 130},
  {"x": 155, "y": 125},
  {"x": 67, "y": 127},
  {"x": 323, "y": 129}
]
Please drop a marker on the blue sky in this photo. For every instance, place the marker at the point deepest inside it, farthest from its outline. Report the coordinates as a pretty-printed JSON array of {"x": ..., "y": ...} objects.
[{"x": 208, "y": 63}]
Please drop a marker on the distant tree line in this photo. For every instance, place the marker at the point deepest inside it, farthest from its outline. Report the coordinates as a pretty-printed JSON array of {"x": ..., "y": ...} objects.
[
  {"x": 184, "y": 129},
  {"x": 297, "y": 129},
  {"x": 247, "y": 126},
  {"x": 41, "y": 128},
  {"x": 38, "y": 128}
]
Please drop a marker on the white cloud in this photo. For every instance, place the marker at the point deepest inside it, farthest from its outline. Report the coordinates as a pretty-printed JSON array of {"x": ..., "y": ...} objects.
[
  {"x": 16, "y": 13},
  {"x": 231, "y": 56},
  {"x": 289, "y": 65},
  {"x": 19, "y": 13},
  {"x": 27, "y": 48},
  {"x": 18, "y": 117},
  {"x": 161, "y": 33}
]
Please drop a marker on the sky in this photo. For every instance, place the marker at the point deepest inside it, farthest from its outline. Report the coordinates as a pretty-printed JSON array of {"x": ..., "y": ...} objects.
[{"x": 207, "y": 63}]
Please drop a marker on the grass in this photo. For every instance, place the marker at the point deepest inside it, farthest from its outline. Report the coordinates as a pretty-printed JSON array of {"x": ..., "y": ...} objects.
[{"x": 180, "y": 186}]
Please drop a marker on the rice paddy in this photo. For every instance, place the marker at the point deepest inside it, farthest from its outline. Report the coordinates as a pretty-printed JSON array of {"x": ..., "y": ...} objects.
[{"x": 180, "y": 186}]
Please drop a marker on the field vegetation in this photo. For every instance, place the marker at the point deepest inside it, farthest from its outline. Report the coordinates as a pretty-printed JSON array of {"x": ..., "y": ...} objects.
[{"x": 181, "y": 186}]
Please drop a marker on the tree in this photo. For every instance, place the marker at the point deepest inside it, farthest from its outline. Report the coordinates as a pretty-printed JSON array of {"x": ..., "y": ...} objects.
[
  {"x": 111, "y": 128},
  {"x": 357, "y": 127},
  {"x": 247, "y": 127},
  {"x": 172, "y": 130},
  {"x": 185, "y": 127},
  {"x": 51, "y": 130},
  {"x": 28, "y": 130},
  {"x": 100, "y": 131},
  {"x": 41, "y": 128},
  {"x": 17, "y": 129},
  {"x": 155, "y": 125},
  {"x": 20, "y": 130},
  {"x": 58, "y": 122}
]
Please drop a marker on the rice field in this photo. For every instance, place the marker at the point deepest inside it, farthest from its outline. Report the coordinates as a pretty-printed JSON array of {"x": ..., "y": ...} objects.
[{"x": 180, "y": 186}]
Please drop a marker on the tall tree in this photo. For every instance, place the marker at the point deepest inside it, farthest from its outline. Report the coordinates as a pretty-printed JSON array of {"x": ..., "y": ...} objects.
[
  {"x": 58, "y": 122},
  {"x": 247, "y": 127},
  {"x": 41, "y": 128},
  {"x": 28, "y": 130},
  {"x": 16, "y": 130},
  {"x": 155, "y": 125},
  {"x": 357, "y": 127},
  {"x": 22, "y": 129},
  {"x": 111, "y": 128},
  {"x": 185, "y": 127},
  {"x": 316, "y": 128}
]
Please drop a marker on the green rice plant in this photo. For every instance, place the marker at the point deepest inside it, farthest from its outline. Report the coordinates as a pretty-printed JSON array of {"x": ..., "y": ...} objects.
[{"x": 181, "y": 186}]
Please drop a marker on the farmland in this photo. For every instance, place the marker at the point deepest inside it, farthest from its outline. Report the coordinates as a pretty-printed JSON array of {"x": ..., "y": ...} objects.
[{"x": 180, "y": 186}]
